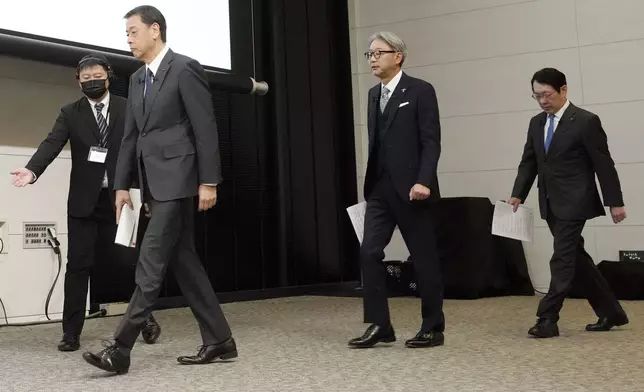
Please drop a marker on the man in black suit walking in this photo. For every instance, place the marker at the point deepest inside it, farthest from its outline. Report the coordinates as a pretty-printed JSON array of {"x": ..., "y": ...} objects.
[
  {"x": 400, "y": 185},
  {"x": 94, "y": 127},
  {"x": 566, "y": 146},
  {"x": 171, "y": 144}
]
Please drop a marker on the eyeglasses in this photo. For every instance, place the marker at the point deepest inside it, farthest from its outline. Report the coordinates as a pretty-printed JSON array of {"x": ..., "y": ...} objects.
[
  {"x": 537, "y": 97},
  {"x": 377, "y": 53}
]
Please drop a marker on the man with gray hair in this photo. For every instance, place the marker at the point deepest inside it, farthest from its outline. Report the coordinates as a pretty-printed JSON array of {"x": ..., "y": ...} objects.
[{"x": 400, "y": 187}]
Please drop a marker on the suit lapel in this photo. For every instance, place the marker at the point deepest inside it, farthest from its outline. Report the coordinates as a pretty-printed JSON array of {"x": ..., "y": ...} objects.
[
  {"x": 373, "y": 105},
  {"x": 541, "y": 141},
  {"x": 89, "y": 122},
  {"x": 394, "y": 101},
  {"x": 137, "y": 96},
  {"x": 115, "y": 112},
  {"x": 164, "y": 67}
]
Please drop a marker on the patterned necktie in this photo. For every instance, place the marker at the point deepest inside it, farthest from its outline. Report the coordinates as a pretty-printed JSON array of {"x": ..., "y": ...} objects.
[
  {"x": 102, "y": 123},
  {"x": 384, "y": 98},
  {"x": 551, "y": 130},
  {"x": 149, "y": 79}
]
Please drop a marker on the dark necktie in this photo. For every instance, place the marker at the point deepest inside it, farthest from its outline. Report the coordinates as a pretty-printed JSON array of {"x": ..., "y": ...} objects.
[
  {"x": 149, "y": 79},
  {"x": 102, "y": 123}
]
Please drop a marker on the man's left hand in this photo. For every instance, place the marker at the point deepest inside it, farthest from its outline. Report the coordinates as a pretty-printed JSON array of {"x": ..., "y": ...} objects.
[
  {"x": 419, "y": 192},
  {"x": 618, "y": 214},
  {"x": 207, "y": 197}
]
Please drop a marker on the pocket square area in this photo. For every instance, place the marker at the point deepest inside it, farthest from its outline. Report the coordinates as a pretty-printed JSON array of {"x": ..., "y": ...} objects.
[{"x": 403, "y": 104}]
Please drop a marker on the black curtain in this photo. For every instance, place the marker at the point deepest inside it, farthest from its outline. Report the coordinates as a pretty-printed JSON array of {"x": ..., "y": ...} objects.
[{"x": 288, "y": 158}]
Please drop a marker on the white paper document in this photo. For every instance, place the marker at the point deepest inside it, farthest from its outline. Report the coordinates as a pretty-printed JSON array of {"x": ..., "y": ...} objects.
[
  {"x": 356, "y": 214},
  {"x": 128, "y": 224},
  {"x": 509, "y": 224}
]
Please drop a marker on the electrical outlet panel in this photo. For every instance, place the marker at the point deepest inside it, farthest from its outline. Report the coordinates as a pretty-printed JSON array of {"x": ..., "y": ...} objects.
[{"x": 34, "y": 234}]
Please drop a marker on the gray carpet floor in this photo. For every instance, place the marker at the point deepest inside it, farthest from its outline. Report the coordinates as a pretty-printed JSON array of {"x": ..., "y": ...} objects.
[{"x": 299, "y": 344}]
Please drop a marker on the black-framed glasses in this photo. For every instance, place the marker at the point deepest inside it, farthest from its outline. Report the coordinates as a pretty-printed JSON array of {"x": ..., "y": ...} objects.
[{"x": 377, "y": 53}]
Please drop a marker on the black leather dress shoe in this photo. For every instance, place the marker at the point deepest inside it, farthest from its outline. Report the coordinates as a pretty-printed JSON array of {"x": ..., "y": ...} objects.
[
  {"x": 605, "y": 324},
  {"x": 373, "y": 335},
  {"x": 426, "y": 339},
  {"x": 112, "y": 360},
  {"x": 151, "y": 330},
  {"x": 544, "y": 328},
  {"x": 69, "y": 343},
  {"x": 224, "y": 350}
]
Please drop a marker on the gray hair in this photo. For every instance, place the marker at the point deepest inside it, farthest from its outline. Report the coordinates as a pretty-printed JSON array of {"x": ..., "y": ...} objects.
[{"x": 392, "y": 40}]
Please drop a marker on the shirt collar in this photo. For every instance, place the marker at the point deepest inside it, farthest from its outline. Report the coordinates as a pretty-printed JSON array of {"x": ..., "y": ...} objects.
[
  {"x": 105, "y": 101},
  {"x": 156, "y": 63},
  {"x": 391, "y": 86},
  {"x": 561, "y": 111}
]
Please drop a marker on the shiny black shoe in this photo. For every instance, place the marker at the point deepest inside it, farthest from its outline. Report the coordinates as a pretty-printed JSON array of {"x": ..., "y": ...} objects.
[
  {"x": 224, "y": 351},
  {"x": 426, "y": 339},
  {"x": 544, "y": 328},
  {"x": 69, "y": 343},
  {"x": 151, "y": 330},
  {"x": 606, "y": 324},
  {"x": 112, "y": 359},
  {"x": 373, "y": 335}
]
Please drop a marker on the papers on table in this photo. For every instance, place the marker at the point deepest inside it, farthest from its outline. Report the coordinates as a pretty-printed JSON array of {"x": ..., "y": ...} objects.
[
  {"x": 509, "y": 224},
  {"x": 128, "y": 224},
  {"x": 356, "y": 214}
]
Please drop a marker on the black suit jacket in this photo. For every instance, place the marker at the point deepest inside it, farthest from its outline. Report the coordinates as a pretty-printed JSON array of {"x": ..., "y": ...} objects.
[
  {"x": 578, "y": 151},
  {"x": 411, "y": 137},
  {"x": 173, "y": 132},
  {"x": 76, "y": 123}
]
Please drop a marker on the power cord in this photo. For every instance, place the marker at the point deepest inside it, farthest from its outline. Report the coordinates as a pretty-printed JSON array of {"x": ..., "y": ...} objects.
[{"x": 55, "y": 245}]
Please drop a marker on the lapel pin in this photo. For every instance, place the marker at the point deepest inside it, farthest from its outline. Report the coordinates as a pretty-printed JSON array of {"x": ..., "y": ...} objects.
[{"x": 403, "y": 90}]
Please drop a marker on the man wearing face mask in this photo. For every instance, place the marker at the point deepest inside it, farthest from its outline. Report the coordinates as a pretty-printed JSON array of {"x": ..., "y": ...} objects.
[{"x": 94, "y": 127}]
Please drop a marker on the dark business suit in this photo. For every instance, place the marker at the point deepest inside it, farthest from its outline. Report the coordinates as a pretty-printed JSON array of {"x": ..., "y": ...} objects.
[
  {"x": 90, "y": 207},
  {"x": 568, "y": 196},
  {"x": 404, "y": 148},
  {"x": 171, "y": 143}
]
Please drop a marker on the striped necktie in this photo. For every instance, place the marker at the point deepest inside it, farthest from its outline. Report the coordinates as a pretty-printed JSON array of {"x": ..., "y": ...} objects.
[{"x": 102, "y": 123}]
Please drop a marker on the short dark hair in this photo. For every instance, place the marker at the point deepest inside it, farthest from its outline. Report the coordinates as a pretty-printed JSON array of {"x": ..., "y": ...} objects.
[
  {"x": 92, "y": 60},
  {"x": 551, "y": 77},
  {"x": 149, "y": 15}
]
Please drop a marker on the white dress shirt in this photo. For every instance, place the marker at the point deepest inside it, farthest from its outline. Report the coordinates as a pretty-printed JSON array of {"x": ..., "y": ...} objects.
[
  {"x": 106, "y": 104},
  {"x": 393, "y": 83},
  {"x": 156, "y": 63},
  {"x": 556, "y": 119}
]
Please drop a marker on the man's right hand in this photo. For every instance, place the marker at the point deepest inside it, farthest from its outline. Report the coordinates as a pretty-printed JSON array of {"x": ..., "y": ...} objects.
[
  {"x": 21, "y": 177},
  {"x": 514, "y": 202},
  {"x": 121, "y": 198}
]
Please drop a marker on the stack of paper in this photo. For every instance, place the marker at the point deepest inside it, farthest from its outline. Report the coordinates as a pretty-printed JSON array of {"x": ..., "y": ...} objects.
[
  {"x": 356, "y": 214},
  {"x": 509, "y": 224},
  {"x": 128, "y": 224}
]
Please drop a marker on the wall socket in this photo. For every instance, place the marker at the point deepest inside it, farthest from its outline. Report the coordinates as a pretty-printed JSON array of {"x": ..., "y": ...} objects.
[{"x": 34, "y": 234}]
